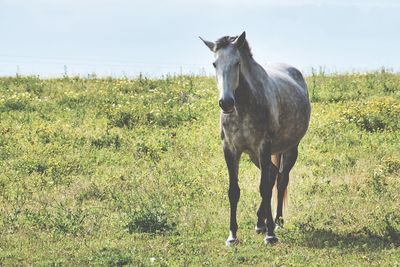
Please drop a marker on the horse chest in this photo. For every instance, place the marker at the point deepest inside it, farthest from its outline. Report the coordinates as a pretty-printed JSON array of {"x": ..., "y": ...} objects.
[{"x": 242, "y": 134}]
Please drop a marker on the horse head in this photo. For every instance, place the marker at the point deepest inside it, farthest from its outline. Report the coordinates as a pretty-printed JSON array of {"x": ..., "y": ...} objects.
[{"x": 227, "y": 68}]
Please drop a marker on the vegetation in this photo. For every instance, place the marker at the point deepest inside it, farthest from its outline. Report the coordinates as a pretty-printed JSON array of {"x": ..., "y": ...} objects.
[{"x": 130, "y": 172}]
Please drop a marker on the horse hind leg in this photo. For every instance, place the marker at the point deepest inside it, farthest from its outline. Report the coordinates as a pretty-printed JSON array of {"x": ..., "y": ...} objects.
[{"x": 286, "y": 163}]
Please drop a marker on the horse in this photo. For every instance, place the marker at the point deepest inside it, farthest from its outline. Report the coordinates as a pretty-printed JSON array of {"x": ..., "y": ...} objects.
[{"x": 265, "y": 112}]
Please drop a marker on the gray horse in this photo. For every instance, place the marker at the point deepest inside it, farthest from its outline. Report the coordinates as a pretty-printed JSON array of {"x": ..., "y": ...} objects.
[{"x": 265, "y": 113}]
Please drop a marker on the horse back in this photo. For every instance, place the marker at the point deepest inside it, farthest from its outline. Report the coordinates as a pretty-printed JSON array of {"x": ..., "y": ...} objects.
[{"x": 287, "y": 70}]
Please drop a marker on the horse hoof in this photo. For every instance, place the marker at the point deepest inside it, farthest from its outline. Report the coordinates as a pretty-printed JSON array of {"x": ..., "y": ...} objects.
[
  {"x": 270, "y": 240},
  {"x": 260, "y": 229},
  {"x": 231, "y": 241}
]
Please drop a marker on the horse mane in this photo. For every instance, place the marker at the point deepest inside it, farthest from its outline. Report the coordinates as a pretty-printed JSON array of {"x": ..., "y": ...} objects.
[
  {"x": 224, "y": 42},
  {"x": 227, "y": 40}
]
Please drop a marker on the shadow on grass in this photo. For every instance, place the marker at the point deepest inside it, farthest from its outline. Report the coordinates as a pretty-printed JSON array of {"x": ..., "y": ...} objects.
[{"x": 322, "y": 238}]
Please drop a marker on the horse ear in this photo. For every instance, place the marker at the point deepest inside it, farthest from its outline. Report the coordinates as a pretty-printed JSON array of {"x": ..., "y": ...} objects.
[
  {"x": 209, "y": 44},
  {"x": 239, "y": 42}
]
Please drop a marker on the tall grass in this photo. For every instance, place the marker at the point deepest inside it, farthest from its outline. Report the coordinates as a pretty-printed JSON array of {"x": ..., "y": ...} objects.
[{"x": 130, "y": 172}]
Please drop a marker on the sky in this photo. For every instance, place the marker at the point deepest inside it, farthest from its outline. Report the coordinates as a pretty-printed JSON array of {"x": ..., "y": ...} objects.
[{"x": 51, "y": 38}]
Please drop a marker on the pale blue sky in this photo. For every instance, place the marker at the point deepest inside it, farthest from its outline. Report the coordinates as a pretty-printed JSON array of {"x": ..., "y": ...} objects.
[{"x": 117, "y": 37}]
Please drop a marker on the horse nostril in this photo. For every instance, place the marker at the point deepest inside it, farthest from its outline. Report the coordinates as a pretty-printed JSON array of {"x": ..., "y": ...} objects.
[
  {"x": 226, "y": 104},
  {"x": 230, "y": 102}
]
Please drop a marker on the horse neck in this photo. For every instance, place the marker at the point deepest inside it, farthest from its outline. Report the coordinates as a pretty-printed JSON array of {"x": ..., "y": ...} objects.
[
  {"x": 251, "y": 70},
  {"x": 244, "y": 95},
  {"x": 251, "y": 80}
]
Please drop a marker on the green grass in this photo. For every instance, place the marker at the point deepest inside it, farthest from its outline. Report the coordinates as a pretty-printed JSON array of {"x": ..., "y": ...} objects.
[{"x": 130, "y": 172}]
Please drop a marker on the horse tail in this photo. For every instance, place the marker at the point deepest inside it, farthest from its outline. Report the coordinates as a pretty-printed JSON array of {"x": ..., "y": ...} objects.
[
  {"x": 285, "y": 193},
  {"x": 277, "y": 161},
  {"x": 285, "y": 198}
]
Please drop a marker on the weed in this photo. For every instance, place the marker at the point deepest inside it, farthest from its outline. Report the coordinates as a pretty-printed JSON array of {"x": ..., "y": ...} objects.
[{"x": 149, "y": 218}]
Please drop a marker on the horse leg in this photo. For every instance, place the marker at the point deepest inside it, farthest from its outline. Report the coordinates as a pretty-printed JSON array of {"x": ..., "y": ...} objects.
[
  {"x": 289, "y": 159},
  {"x": 267, "y": 182},
  {"x": 261, "y": 226},
  {"x": 232, "y": 162}
]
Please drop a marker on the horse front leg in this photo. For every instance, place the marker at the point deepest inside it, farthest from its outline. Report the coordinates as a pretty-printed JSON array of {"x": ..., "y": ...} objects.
[
  {"x": 232, "y": 162},
  {"x": 267, "y": 182}
]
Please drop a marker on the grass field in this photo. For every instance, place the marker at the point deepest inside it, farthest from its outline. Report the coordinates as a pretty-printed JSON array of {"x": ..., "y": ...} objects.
[{"x": 118, "y": 171}]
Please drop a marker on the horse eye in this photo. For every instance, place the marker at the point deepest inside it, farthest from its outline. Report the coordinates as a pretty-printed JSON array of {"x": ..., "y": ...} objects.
[{"x": 215, "y": 65}]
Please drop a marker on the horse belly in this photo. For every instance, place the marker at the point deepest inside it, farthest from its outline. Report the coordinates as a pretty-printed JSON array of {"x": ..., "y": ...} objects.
[
  {"x": 293, "y": 123},
  {"x": 288, "y": 137}
]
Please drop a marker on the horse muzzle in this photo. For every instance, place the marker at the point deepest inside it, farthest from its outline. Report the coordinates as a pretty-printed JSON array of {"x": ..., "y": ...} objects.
[{"x": 227, "y": 105}]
